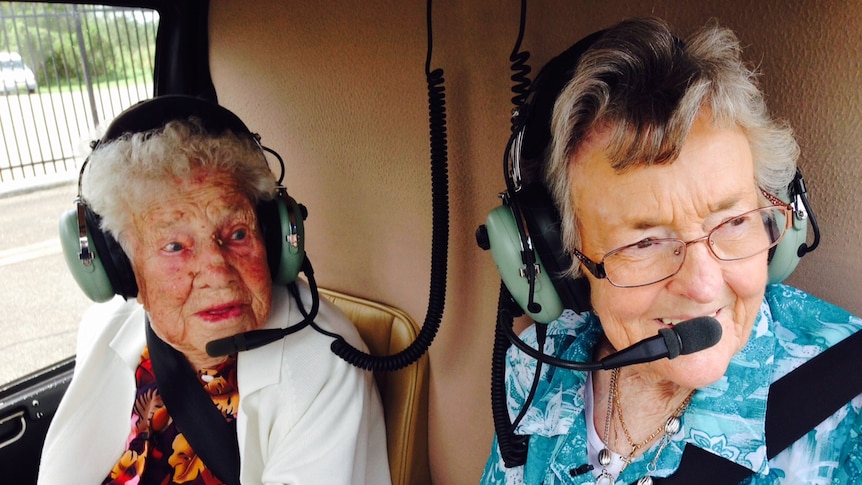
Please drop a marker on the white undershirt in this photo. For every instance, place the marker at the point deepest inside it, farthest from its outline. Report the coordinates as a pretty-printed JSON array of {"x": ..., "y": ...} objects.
[{"x": 594, "y": 442}]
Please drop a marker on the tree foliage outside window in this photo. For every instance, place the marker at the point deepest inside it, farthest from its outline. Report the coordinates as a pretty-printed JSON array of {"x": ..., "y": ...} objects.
[{"x": 69, "y": 44}]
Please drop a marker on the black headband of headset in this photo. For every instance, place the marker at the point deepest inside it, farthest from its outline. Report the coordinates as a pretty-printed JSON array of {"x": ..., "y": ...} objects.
[
  {"x": 550, "y": 81},
  {"x": 155, "y": 113}
]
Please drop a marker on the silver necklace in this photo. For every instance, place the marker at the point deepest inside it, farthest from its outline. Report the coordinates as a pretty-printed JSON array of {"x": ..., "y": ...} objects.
[{"x": 605, "y": 456}]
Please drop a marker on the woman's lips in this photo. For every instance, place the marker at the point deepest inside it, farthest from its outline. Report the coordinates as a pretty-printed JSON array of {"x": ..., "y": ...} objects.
[{"x": 221, "y": 312}]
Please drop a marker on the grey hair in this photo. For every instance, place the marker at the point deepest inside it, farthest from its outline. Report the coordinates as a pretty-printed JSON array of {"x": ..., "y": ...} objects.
[
  {"x": 647, "y": 87},
  {"x": 129, "y": 172}
]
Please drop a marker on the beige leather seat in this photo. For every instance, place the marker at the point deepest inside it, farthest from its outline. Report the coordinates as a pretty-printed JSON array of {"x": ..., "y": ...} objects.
[{"x": 386, "y": 331}]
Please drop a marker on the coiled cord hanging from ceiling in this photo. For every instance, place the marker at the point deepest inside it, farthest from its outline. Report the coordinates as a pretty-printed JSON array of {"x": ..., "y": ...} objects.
[
  {"x": 513, "y": 447},
  {"x": 520, "y": 69},
  {"x": 439, "y": 233}
]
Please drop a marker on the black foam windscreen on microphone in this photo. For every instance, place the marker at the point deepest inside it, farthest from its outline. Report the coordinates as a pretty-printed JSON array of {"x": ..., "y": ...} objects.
[
  {"x": 683, "y": 338},
  {"x": 691, "y": 336}
]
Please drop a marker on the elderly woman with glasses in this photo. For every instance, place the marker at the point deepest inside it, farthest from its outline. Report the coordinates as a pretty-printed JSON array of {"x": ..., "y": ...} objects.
[{"x": 669, "y": 176}]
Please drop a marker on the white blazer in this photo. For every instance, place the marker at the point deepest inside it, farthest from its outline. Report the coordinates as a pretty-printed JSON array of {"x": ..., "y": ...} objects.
[{"x": 305, "y": 415}]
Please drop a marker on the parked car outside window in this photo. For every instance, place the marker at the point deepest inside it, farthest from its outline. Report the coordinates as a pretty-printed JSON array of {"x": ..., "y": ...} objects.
[{"x": 15, "y": 75}]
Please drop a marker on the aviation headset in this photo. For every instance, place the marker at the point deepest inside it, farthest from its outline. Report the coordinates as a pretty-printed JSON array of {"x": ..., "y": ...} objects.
[
  {"x": 98, "y": 263},
  {"x": 523, "y": 234}
]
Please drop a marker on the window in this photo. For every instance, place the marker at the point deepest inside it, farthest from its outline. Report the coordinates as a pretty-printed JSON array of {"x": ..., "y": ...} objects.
[{"x": 73, "y": 69}]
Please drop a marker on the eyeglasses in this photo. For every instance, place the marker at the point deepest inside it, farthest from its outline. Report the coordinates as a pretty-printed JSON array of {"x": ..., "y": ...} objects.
[{"x": 652, "y": 260}]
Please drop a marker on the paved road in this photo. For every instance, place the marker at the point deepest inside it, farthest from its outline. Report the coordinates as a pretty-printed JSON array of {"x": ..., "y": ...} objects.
[{"x": 40, "y": 303}]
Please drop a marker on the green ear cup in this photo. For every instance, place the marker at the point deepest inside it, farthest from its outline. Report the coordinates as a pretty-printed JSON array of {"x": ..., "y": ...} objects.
[
  {"x": 293, "y": 240},
  {"x": 785, "y": 256},
  {"x": 91, "y": 277},
  {"x": 506, "y": 251}
]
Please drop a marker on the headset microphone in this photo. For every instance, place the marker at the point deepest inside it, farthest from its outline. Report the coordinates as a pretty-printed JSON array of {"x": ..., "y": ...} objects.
[
  {"x": 683, "y": 338},
  {"x": 258, "y": 338}
]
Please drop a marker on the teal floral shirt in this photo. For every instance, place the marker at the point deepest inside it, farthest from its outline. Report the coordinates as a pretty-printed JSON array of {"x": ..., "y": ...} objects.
[{"x": 726, "y": 418}]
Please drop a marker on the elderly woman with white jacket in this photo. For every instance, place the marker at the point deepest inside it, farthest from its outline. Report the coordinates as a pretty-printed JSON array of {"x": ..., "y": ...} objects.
[{"x": 184, "y": 199}]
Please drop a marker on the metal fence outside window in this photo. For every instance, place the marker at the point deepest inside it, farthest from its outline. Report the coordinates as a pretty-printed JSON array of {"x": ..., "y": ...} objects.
[{"x": 65, "y": 71}]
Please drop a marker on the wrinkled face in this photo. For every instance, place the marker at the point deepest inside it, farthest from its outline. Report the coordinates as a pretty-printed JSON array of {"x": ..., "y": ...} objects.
[
  {"x": 200, "y": 264},
  {"x": 710, "y": 182}
]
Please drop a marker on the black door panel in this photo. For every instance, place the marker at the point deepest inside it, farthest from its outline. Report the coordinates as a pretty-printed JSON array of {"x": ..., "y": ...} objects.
[{"x": 26, "y": 408}]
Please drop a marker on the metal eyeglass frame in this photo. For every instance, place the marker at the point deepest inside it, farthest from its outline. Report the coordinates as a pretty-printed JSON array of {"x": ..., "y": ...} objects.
[{"x": 597, "y": 269}]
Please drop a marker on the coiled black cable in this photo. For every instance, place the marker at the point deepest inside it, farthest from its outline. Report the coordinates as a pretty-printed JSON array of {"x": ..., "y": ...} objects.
[
  {"x": 513, "y": 447},
  {"x": 439, "y": 234},
  {"x": 520, "y": 69}
]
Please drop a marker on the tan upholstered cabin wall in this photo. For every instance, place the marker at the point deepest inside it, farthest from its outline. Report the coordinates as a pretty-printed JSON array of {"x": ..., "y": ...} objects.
[{"x": 338, "y": 89}]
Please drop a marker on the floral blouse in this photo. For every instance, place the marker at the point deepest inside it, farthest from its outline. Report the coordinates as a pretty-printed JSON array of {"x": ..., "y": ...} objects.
[
  {"x": 156, "y": 452},
  {"x": 726, "y": 418}
]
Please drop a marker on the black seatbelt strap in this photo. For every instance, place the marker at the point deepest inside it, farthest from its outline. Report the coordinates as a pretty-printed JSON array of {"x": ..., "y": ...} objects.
[
  {"x": 192, "y": 409},
  {"x": 797, "y": 403},
  {"x": 704, "y": 468},
  {"x": 805, "y": 397}
]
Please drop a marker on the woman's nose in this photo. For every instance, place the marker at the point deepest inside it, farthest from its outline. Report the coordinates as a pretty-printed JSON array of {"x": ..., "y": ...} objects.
[
  {"x": 214, "y": 253},
  {"x": 700, "y": 277},
  {"x": 213, "y": 267}
]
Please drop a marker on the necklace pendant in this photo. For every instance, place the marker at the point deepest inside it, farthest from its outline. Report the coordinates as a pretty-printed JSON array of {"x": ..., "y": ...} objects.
[
  {"x": 647, "y": 480},
  {"x": 605, "y": 479},
  {"x": 672, "y": 426},
  {"x": 627, "y": 460},
  {"x": 604, "y": 457}
]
